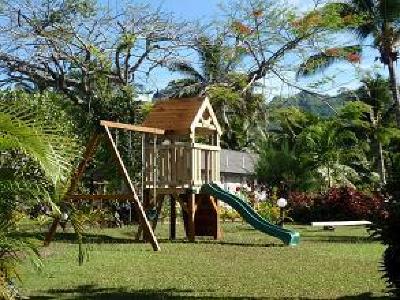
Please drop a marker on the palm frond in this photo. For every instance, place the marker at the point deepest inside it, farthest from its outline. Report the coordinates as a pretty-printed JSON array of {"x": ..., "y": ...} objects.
[
  {"x": 389, "y": 10},
  {"x": 182, "y": 88},
  {"x": 186, "y": 69},
  {"x": 363, "y": 9},
  {"x": 10, "y": 256},
  {"x": 33, "y": 132},
  {"x": 316, "y": 63},
  {"x": 320, "y": 61},
  {"x": 363, "y": 6},
  {"x": 211, "y": 54}
]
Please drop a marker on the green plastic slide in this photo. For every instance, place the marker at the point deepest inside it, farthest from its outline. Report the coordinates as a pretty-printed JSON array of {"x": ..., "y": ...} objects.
[{"x": 250, "y": 216}]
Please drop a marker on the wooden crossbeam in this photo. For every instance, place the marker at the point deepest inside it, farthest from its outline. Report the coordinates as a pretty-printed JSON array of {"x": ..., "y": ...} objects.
[
  {"x": 107, "y": 197},
  {"x": 109, "y": 124}
]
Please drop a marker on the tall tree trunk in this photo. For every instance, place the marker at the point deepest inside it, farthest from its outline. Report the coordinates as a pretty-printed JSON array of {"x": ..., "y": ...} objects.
[
  {"x": 381, "y": 163},
  {"x": 329, "y": 177},
  {"x": 394, "y": 88}
]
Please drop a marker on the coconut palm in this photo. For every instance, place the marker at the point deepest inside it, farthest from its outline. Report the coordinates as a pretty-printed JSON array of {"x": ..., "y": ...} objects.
[
  {"x": 216, "y": 62},
  {"x": 379, "y": 20}
]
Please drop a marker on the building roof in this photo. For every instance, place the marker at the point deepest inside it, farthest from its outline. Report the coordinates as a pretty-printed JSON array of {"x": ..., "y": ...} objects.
[
  {"x": 237, "y": 162},
  {"x": 182, "y": 115},
  {"x": 173, "y": 114}
]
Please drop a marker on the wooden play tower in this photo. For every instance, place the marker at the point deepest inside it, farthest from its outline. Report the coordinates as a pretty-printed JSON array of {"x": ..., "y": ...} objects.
[
  {"x": 179, "y": 162},
  {"x": 180, "y": 153}
]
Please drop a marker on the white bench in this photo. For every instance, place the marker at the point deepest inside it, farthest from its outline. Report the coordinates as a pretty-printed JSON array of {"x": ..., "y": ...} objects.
[{"x": 341, "y": 223}]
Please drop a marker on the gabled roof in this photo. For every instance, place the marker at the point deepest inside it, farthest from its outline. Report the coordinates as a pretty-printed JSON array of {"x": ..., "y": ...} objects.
[
  {"x": 237, "y": 162},
  {"x": 184, "y": 114}
]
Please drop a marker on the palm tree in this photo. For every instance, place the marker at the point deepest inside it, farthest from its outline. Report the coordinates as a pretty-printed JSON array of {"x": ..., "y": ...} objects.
[
  {"x": 324, "y": 147},
  {"x": 33, "y": 132},
  {"x": 381, "y": 129},
  {"x": 380, "y": 20},
  {"x": 279, "y": 164},
  {"x": 216, "y": 62}
]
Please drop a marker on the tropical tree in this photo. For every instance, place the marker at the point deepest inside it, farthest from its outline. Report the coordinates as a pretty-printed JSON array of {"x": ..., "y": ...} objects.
[
  {"x": 286, "y": 124},
  {"x": 325, "y": 147},
  {"x": 378, "y": 19},
  {"x": 378, "y": 124},
  {"x": 216, "y": 62},
  {"x": 11, "y": 247},
  {"x": 280, "y": 164},
  {"x": 86, "y": 51},
  {"x": 37, "y": 153}
]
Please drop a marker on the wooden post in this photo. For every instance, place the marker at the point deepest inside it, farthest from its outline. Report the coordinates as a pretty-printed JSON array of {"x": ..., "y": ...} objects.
[
  {"x": 155, "y": 170},
  {"x": 191, "y": 214},
  {"x": 143, "y": 163},
  {"x": 159, "y": 204},
  {"x": 172, "y": 224},
  {"x": 52, "y": 231},
  {"x": 217, "y": 233},
  {"x": 146, "y": 206},
  {"x": 142, "y": 214}
]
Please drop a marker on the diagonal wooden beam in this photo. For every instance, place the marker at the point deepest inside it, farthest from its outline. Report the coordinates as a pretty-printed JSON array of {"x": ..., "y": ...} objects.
[
  {"x": 142, "y": 215},
  {"x": 87, "y": 157},
  {"x": 93, "y": 143}
]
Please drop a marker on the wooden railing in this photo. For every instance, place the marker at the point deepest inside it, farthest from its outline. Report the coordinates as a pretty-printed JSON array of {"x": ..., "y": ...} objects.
[{"x": 182, "y": 165}]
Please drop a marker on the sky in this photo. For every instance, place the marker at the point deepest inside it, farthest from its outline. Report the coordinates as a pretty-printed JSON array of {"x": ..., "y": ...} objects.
[{"x": 345, "y": 75}]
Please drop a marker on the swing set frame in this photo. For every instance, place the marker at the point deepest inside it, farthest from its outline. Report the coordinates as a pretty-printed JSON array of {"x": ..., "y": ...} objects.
[{"x": 105, "y": 135}]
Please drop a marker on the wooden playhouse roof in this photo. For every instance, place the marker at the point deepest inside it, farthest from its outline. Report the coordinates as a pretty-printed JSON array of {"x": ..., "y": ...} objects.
[{"x": 177, "y": 114}]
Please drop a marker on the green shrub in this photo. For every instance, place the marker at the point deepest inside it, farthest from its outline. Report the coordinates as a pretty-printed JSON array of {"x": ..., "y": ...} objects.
[
  {"x": 339, "y": 204},
  {"x": 268, "y": 211},
  {"x": 228, "y": 214},
  {"x": 386, "y": 228}
]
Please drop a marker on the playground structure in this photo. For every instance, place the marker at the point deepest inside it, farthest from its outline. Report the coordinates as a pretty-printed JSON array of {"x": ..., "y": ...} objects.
[
  {"x": 185, "y": 158},
  {"x": 180, "y": 162}
]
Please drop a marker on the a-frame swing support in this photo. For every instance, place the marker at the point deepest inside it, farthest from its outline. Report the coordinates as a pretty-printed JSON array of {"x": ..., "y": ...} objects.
[{"x": 87, "y": 157}]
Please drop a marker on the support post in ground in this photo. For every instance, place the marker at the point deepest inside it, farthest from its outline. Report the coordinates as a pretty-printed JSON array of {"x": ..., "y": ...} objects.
[
  {"x": 191, "y": 214},
  {"x": 172, "y": 224}
]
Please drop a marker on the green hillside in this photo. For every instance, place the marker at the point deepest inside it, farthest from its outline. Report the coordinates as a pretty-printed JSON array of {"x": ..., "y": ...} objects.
[{"x": 313, "y": 104}]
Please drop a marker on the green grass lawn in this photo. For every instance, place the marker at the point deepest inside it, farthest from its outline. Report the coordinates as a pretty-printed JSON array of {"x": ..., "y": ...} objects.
[{"x": 246, "y": 264}]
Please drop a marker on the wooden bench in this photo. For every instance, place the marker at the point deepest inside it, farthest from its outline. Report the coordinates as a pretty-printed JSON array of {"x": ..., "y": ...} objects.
[
  {"x": 330, "y": 225},
  {"x": 341, "y": 223}
]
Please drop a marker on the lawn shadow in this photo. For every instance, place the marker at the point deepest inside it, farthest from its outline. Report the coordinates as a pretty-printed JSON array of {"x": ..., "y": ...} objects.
[
  {"x": 220, "y": 242},
  {"x": 96, "y": 238},
  {"x": 242, "y": 244},
  {"x": 92, "y": 238},
  {"x": 91, "y": 292},
  {"x": 70, "y": 237},
  {"x": 336, "y": 239}
]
